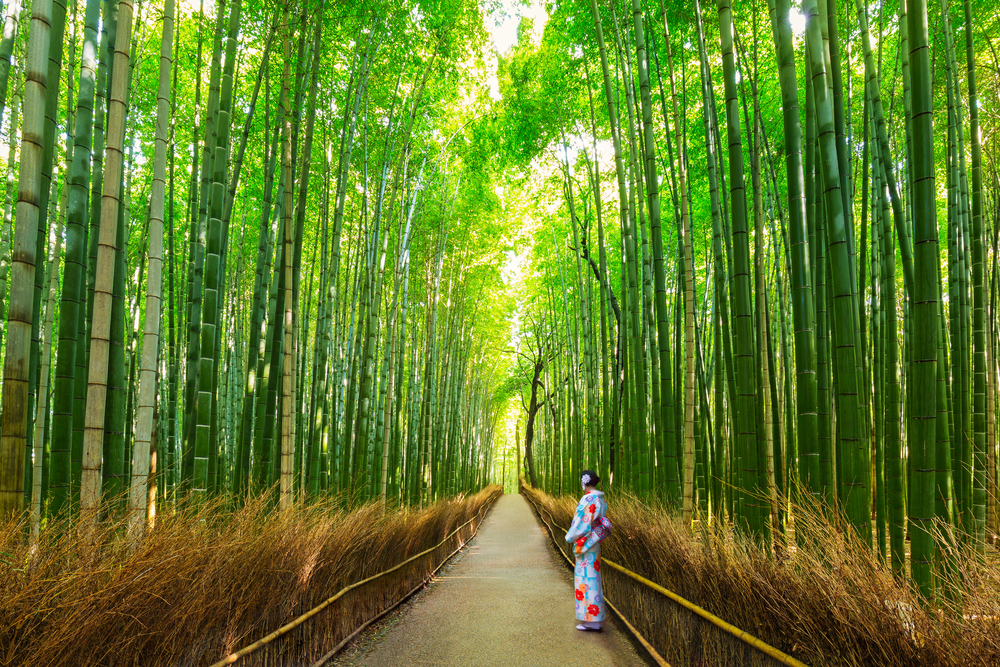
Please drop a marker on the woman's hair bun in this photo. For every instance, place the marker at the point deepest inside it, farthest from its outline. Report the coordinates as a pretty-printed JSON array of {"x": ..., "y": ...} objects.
[{"x": 590, "y": 478}]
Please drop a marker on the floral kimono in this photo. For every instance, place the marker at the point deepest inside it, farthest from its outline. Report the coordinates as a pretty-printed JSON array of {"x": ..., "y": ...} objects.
[{"x": 587, "y": 573}]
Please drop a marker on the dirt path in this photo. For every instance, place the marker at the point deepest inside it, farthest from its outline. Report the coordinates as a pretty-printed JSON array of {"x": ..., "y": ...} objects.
[{"x": 508, "y": 601}]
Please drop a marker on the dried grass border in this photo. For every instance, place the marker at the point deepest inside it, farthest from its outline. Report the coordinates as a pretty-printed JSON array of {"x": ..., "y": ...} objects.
[
  {"x": 206, "y": 581},
  {"x": 831, "y": 604}
]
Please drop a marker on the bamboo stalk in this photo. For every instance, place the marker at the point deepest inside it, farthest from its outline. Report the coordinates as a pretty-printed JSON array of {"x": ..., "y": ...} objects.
[
  {"x": 138, "y": 493},
  {"x": 90, "y": 490}
]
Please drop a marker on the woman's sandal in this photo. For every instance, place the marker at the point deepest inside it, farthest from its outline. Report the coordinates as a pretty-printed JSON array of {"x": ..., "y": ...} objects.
[{"x": 587, "y": 628}]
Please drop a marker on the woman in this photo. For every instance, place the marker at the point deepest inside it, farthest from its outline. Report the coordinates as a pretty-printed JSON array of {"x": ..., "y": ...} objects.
[{"x": 587, "y": 547}]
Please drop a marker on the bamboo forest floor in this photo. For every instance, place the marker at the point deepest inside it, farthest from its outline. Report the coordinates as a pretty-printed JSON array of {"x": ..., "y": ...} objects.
[{"x": 507, "y": 599}]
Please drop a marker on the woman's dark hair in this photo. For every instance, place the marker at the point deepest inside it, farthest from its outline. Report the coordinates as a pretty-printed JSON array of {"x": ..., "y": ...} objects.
[{"x": 590, "y": 478}]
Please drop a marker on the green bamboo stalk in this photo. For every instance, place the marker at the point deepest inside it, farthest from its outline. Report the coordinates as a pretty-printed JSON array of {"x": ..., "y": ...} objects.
[
  {"x": 7, "y": 39},
  {"x": 90, "y": 490},
  {"x": 892, "y": 405},
  {"x": 57, "y": 25},
  {"x": 263, "y": 418},
  {"x": 878, "y": 243},
  {"x": 873, "y": 89},
  {"x": 762, "y": 368},
  {"x": 979, "y": 364},
  {"x": 746, "y": 400},
  {"x": 215, "y": 169},
  {"x": 138, "y": 490},
  {"x": 926, "y": 293},
  {"x": 8, "y": 205},
  {"x": 115, "y": 470},
  {"x": 14, "y": 420},
  {"x": 41, "y": 412},
  {"x": 244, "y": 477},
  {"x": 288, "y": 371},
  {"x": 318, "y": 414},
  {"x": 962, "y": 446},
  {"x": 855, "y": 494},
  {"x": 686, "y": 234},
  {"x": 198, "y": 451},
  {"x": 195, "y": 265}
]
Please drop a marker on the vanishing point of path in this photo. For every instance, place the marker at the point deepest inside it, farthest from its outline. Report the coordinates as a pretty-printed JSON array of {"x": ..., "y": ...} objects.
[{"x": 508, "y": 601}]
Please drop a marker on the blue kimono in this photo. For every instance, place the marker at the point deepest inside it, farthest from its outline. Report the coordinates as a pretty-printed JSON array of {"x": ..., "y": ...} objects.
[{"x": 587, "y": 573}]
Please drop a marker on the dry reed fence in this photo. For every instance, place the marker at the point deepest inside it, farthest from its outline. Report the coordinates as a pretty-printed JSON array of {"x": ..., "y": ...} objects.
[
  {"x": 829, "y": 604},
  {"x": 207, "y": 581}
]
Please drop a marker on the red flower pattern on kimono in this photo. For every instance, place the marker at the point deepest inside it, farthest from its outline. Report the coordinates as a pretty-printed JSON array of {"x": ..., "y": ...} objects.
[
  {"x": 597, "y": 565},
  {"x": 593, "y": 610},
  {"x": 579, "y": 595}
]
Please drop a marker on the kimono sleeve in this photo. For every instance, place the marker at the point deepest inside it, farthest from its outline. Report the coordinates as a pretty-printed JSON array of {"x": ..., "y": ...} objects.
[
  {"x": 581, "y": 521},
  {"x": 595, "y": 536},
  {"x": 592, "y": 539}
]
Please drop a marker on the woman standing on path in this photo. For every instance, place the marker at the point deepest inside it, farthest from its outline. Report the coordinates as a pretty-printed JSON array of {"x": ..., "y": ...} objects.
[{"x": 586, "y": 533}]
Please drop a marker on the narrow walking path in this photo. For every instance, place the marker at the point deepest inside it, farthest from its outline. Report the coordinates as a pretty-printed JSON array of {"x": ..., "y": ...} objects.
[{"x": 506, "y": 602}]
